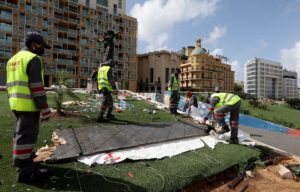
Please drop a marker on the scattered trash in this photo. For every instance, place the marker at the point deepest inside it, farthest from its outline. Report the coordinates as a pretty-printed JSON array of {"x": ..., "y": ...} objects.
[
  {"x": 122, "y": 105},
  {"x": 130, "y": 174},
  {"x": 121, "y": 97},
  {"x": 250, "y": 174}
]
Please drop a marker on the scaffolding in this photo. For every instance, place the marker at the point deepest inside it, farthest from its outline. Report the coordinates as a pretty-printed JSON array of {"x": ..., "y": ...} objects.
[{"x": 74, "y": 32}]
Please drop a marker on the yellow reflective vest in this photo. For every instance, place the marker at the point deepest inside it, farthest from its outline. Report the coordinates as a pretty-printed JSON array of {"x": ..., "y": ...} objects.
[
  {"x": 175, "y": 85},
  {"x": 103, "y": 78},
  {"x": 19, "y": 94},
  {"x": 226, "y": 99}
]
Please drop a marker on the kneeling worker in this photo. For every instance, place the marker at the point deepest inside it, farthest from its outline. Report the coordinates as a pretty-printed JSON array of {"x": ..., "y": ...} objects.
[{"x": 220, "y": 104}]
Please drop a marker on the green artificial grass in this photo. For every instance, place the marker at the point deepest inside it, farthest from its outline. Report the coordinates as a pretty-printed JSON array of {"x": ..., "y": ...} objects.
[
  {"x": 280, "y": 114},
  {"x": 168, "y": 174}
]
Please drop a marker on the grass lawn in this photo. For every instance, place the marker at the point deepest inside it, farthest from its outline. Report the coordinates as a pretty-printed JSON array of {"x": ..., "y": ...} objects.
[
  {"x": 279, "y": 114},
  {"x": 167, "y": 174}
]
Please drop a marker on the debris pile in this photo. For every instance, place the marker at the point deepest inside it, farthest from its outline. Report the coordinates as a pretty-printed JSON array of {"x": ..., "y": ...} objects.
[{"x": 44, "y": 153}]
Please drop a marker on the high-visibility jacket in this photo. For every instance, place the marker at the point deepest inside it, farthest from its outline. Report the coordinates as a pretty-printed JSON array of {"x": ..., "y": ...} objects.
[
  {"x": 174, "y": 86},
  {"x": 19, "y": 94},
  {"x": 103, "y": 78},
  {"x": 226, "y": 99}
]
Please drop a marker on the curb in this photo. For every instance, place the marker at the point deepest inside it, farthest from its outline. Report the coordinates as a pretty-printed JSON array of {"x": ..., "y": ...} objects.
[{"x": 257, "y": 123}]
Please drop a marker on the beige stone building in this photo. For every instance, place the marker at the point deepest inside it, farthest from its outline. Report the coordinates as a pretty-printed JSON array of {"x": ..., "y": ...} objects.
[
  {"x": 202, "y": 72},
  {"x": 154, "y": 70}
]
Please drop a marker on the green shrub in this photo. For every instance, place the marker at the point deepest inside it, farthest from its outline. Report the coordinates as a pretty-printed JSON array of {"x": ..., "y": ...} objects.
[
  {"x": 294, "y": 103},
  {"x": 245, "y": 111},
  {"x": 254, "y": 103}
]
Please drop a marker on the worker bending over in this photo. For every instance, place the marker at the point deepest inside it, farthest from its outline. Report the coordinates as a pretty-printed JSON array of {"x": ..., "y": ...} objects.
[{"x": 220, "y": 104}]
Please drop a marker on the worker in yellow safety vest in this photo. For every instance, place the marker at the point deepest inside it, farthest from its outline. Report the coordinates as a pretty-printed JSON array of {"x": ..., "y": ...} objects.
[
  {"x": 27, "y": 100},
  {"x": 106, "y": 85},
  {"x": 173, "y": 87},
  {"x": 220, "y": 104}
]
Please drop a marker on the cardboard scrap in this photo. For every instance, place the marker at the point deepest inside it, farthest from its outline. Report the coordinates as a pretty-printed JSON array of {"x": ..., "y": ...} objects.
[{"x": 44, "y": 153}]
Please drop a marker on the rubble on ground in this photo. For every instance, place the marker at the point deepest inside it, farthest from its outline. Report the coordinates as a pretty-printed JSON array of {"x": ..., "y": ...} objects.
[{"x": 44, "y": 153}]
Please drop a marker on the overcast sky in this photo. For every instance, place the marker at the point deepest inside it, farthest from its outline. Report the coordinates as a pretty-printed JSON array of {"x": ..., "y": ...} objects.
[{"x": 237, "y": 29}]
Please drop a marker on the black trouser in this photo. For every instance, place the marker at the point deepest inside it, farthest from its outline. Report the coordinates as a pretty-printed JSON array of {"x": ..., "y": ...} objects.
[
  {"x": 106, "y": 102},
  {"x": 24, "y": 139},
  {"x": 173, "y": 101},
  {"x": 219, "y": 115}
]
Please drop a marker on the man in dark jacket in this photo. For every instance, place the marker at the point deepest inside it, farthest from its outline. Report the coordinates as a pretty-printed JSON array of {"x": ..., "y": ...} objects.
[{"x": 27, "y": 100}]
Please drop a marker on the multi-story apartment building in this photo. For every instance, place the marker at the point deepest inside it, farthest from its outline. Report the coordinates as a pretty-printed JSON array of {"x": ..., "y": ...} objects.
[
  {"x": 290, "y": 90},
  {"x": 155, "y": 69},
  {"x": 74, "y": 29},
  {"x": 263, "y": 78},
  {"x": 202, "y": 72}
]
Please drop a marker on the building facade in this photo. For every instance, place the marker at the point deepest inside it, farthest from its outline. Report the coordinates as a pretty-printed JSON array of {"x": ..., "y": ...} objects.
[
  {"x": 290, "y": 90},
  {"x": 202, "y": 72},
  {"x": 263, "y": 78},
  {"x": 155, "y": 69},
  {"x": 74, "y": 29}
]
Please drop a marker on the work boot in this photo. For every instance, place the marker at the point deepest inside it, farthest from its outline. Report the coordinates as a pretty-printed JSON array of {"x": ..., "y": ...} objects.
[
  {"x": 224, "y": 129},
  {"x": 234, "y": 136},
  {"x": 110, "y": 116},
  {"x": 36, "y": 175},
  {"x": 234, "y": 140},
  {"x": 101, "y": 119}
]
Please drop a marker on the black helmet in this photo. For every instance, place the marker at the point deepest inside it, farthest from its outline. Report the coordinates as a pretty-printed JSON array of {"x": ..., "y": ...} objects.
[{"x": 36, "y": 38}]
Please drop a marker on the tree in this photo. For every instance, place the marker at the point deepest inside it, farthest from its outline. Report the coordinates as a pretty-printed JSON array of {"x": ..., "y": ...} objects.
[
  {"x": 237, "y": 89},
  {"x": 64, "y": 88}
]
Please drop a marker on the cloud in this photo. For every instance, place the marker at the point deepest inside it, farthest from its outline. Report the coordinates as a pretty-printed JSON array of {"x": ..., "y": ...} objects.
[
  {"x": 290, "y": 58},
  {"x": 218, "y": 51},
  {"x": 216, "y": 34},
  {"x": 157, "y": 18},
  {"x": 238, "y": 70}
]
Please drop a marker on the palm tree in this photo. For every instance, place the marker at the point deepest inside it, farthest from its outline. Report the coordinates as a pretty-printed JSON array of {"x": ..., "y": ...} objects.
[{"x": 64, "y": 88}]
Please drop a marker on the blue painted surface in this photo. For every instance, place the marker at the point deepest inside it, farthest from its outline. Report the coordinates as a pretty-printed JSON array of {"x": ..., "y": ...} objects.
[
  {"x": 245, "y": 120},
  {"x": 261, "y": 124}
]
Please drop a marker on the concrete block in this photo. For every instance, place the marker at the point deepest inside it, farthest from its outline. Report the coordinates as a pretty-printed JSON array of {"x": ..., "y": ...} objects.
[{"x": 284, "y": 172}]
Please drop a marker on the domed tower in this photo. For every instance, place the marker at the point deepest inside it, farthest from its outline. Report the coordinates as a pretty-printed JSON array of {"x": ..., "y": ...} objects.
[{"x": 198, "y": 49}]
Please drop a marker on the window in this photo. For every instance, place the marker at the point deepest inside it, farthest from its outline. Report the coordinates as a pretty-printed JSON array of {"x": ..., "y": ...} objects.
[
  {"x": 115, "y": 9},
  {"x": 120, "y": 4},
  {"x": 151, "y": 75},
  {"x": 167, "y": 75},
  {"x": 103, "y": 2}
]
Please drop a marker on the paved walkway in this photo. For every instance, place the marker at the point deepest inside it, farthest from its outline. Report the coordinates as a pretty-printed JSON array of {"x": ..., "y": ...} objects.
[{"x": 283, "y": 141}]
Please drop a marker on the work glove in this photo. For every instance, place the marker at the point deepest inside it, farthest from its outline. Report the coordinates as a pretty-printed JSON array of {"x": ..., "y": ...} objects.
[
  {"x": 115, "y": 91},
  {"x": 203, "y": 120},
  {"x": 46, "y": 114}
]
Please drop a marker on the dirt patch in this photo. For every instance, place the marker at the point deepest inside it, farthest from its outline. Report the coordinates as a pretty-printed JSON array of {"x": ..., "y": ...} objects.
[
  {"x": 266, "y": 180},
  {"x": 65, "y": 114}
]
